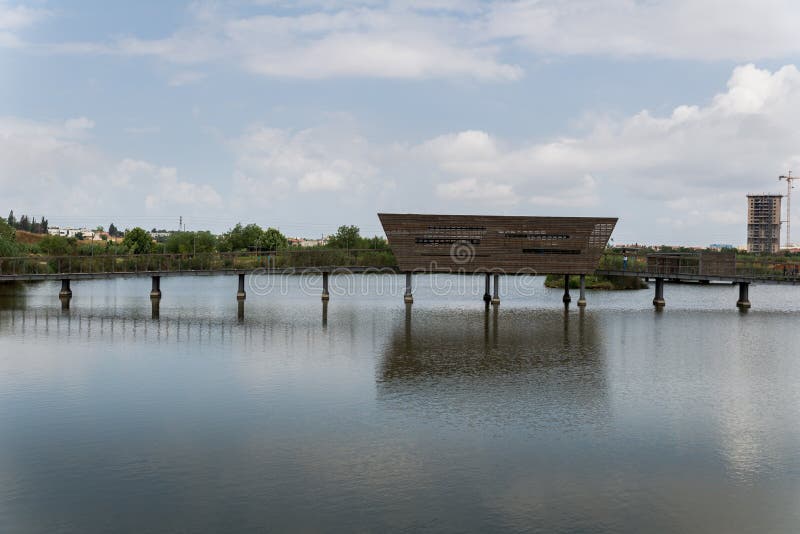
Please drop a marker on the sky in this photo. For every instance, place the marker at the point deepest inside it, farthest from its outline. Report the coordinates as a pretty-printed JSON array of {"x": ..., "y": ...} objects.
[{"x": 309, "y": 114}]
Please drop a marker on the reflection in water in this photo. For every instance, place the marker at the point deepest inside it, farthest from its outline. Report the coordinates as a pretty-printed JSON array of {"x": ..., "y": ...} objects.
[
  {"x": 155, "y": 305},
  {"x": 12, "y": 296},
  {"x": 457, "y": 361}
]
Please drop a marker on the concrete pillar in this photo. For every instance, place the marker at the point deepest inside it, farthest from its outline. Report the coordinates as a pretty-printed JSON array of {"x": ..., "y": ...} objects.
[
  {"x": 408, "y": 298},
  {"x": 567, "y": 299},
  {"x": 582, "y": 297},
  {"x": 241, "y": 295},
  {"x": 487, "y": 297},
  {"x": 325, "y": 295},
  {"x": 658, "y": 300},
  {"x": 64, "y": 301},
  {"x": 155, "y": 290},
  {"x": 496, "y": 294},
  {"x": 744, "y": 296},
  {"x": 65, "y": 290}
]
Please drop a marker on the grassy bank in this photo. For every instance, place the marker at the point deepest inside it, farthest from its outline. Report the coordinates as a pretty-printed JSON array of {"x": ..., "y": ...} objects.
[{"x": 597, "y": 282}]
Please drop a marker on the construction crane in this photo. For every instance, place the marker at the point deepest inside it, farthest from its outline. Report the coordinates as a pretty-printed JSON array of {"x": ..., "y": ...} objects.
[{"x": 789, "y": 179}]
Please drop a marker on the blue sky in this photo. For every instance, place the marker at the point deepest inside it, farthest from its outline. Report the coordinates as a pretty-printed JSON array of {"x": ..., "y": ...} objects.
[{"x": 310, "y": 114}]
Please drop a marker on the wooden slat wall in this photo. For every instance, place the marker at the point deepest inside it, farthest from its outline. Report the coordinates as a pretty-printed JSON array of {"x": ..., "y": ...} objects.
[{"x": 480, "y": 243}]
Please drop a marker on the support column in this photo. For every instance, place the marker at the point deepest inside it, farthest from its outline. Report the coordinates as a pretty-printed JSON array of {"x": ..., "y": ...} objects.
[
  {"x": 744, "y": 296},
  {"x": 658, "y": 300},
  {"x": 65, "y": 290},
  {"x": 325, "y": 295},
  {"x": 155, "y": 290},
  {"x": 241, "y": 295},
  {"x": 487, "y": 297},
  {"x": 567, "y": 299},
  {"x": 496, "y": 294},
  {"x": 408, "y": 298},
  {"x": 582, "y": 297}
]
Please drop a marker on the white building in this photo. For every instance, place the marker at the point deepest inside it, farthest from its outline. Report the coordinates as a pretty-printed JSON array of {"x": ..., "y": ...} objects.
[{"x": 67, "y": 231}]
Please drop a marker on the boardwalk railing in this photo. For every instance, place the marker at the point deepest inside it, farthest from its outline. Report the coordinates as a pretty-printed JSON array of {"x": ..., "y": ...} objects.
[
  {"x": 692, "y": 265},
  {"x": 202, "y": 262}
]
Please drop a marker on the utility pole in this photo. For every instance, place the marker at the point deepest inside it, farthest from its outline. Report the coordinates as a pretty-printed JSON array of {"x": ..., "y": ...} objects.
[
  {"x": 789, "y": 179},
  {"x": 180, "y": 223}
]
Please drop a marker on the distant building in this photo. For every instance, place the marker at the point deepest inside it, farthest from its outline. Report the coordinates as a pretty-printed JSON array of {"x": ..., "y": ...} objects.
[
  {"x": 66, "y": 231},
  {"x": 160, "y": 235},
  {"x": 720, "y": 246},
  {"x": 764, "y": 223},
  {"x": 305, "y": 242}
]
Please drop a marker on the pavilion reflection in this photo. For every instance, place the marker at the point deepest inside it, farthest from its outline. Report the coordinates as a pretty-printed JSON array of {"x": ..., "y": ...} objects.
[{"x": 456, "y": 358}]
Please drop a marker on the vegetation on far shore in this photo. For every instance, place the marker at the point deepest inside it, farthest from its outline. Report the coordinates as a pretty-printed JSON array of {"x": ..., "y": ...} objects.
[
  {"x": 597, "y": 282},
  {"x": 345, "y": 247}
]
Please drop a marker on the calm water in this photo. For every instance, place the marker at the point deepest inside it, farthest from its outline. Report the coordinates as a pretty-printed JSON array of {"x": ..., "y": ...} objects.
[{"x": 364, "y": 417}]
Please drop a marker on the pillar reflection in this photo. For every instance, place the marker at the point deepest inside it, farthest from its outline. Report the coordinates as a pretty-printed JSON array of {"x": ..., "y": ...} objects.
[{"x": 155, "y": 304}]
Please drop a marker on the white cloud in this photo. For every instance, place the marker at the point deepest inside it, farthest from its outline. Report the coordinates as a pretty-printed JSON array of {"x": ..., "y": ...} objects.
[
  {"x": 470, "y": 189},
  {"x": 739, "y": 30},
  {"x": 272, "y": 162},
  {"x": 78, "y": 124},
  {"x": 172, "y": 191},
  {"x": 342, "y": 39},
  {"x": 446, "y": 38},
  {"x": 14, "y": 19},
  {"x": 55, "y": 168},
  {"x": 321, "y": 180}
]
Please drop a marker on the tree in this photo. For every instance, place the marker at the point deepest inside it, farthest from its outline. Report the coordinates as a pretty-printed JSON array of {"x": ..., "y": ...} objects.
[
  {"x": 56, "y": 245},
  {"x": 8, "y": 244},
  {"x": 24, "y": 223},
  {"x": 113, "y": 231},
  {"x": 241, "y": 238},
  {"x": 7, "y": 231},
  {"x": 12, "y": 221},
  {"x": 373, "y": 242},
  {"x": 99, "y": 229},
  {"x": 190, "y": 242},
  {"x": 345, "y": 237},
  {"x": 138, "y": 241},
  {"x": 272, "y": 239},
  {"x": 43, "y": 225}
]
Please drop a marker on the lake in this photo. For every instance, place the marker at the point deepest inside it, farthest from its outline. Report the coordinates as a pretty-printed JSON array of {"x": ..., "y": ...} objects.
[{"x": 368, "y": 415}]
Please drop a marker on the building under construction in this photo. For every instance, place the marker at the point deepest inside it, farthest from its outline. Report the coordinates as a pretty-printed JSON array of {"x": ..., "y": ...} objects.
[{"x": 764, "y": 223}]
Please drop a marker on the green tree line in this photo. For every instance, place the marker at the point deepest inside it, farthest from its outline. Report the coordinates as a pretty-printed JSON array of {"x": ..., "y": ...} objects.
[{"x": 240, "y": 238}]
